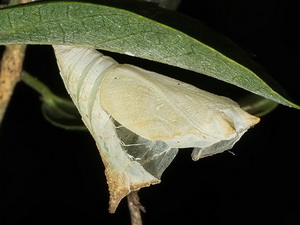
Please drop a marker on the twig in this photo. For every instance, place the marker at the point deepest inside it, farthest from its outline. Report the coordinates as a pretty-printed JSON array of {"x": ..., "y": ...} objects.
[
  {"x": 135, "y": 208},
  {"x": 10, "y": 71},
  {"x": 134, "y": 204}
]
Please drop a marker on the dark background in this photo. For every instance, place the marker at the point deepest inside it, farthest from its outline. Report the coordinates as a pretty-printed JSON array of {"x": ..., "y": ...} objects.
[{"x": 49, "y": 175}]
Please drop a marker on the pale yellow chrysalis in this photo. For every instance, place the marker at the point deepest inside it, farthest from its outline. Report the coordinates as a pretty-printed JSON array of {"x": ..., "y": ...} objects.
[
  {"x": 139, "y": 118},
  {"x": 157, "y": 107}
]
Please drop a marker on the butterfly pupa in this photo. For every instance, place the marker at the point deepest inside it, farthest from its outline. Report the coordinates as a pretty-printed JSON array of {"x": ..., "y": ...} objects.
[{"x": 140, "y": 118}]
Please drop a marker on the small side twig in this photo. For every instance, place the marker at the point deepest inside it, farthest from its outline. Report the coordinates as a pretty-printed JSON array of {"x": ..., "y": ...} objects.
[{"x": 135, "y": 208}]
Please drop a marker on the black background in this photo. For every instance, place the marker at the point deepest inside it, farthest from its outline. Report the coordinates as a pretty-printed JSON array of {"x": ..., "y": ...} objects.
[{"x": 49, "y": 175}]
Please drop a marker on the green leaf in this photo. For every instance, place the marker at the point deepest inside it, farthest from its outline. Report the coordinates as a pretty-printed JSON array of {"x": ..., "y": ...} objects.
[
  {"x": 256, "y": 105},
  {"x": 58, "y": 111},
  {"x": 118, "y": 30},
  {"x": 63, "y": 113}
]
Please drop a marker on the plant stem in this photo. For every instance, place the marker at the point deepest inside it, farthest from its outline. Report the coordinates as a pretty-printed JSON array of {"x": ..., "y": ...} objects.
[
  {"x": 38, "y": 86},
  {"x": 135, "y": 208}
]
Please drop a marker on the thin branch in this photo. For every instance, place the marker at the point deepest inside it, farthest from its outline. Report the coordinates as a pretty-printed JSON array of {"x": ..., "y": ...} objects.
[
  {"x": 135, "y": 208},
  {"x": 10, "y": 70},
  {"x": 134, "y": 204}
]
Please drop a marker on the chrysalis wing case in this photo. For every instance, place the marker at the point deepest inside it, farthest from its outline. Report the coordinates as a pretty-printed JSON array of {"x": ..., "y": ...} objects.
[{"x": 139, "y": 118}]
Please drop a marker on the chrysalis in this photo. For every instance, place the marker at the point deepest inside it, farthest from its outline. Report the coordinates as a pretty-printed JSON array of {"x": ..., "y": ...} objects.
[{"x": 139, "y": 118}]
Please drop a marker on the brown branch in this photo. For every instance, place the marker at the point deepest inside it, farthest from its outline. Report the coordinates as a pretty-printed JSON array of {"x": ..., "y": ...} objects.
[
  {"x": 10, "y": 70},
  {"x": 135, "y": 208}
]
